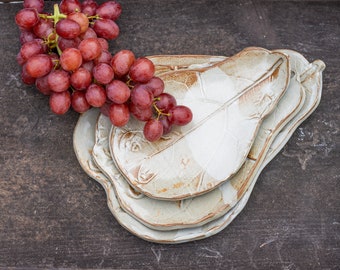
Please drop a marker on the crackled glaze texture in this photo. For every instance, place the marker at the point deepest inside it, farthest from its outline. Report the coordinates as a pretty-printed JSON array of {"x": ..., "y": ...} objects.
[{"x": 229, "y": 101}]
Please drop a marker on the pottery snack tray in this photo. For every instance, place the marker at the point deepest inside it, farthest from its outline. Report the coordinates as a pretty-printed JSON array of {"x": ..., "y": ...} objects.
[{"x": 150, "y": 191}]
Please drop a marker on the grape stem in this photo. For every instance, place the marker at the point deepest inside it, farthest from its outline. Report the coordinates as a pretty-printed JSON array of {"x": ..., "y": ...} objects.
[{"x": 159, "y": 112}]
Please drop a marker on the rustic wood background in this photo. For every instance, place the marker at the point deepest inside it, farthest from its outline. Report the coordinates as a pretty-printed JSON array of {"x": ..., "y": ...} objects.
[{"x": 52, "y": 215}]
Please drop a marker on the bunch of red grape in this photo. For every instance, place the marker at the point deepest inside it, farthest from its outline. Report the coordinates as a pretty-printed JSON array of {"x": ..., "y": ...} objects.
[{"x": 66, "y": 55}]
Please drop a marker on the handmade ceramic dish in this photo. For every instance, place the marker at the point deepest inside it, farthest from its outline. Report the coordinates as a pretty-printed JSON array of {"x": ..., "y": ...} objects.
[
  {"x": 83, "y": 145},
  {"x": 166, "y": 215},
  {"x": 229, "y": 101}
]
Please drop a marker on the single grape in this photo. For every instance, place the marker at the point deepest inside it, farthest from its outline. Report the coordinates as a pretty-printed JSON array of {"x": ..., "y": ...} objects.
[
  {"x": 156, "y": 86},
  {"x": 105, "y": 109},
  {"x": 81, "y": 79},
  {"x": 89, "y": 65},
  {"x": 105, "y": 57},
  {"x": 167, "y": 126},
  {"x": 141, "y": 96},
  {"x": 64, "y": 43},
  {"x": 60, "y": 102},
  {"x": 89, "y": 7},
  {"x": 122, "y": 61},
  {"x": 39, "y": 65},
  {"x": 119, "y": 114},
  {"x": 103, "y": 73},
  {"x": 26, "y": 36},
  {"x": 89, "y": 33},
  {"x": 95, "y": 95},
  {"x": 69, "y": 6},
  {"x": 141, "y": 114},
  {"x": 90, "y": 48},
  {"x": 106, "y": 28},
  {"x": 31, "y": 48},
  {"x": 71, "y": 59},
  {"x": 79, "y": 102},
  {"x": 81, "y": 19},
  {"x": 109, "y": 10},
  {"x": 104, "y": 44},
  {"x": 165, "y": 102},
  {"x": 142, "y": 70},
  {"x": 37, "y": 4},
  {"x": 44, "y": 28},
  {"x": 59, "y": 80},
  {"x": 117, "y": 91},
  {"x": 42, "y": 85},
  {"x": 180, "y": 115},
  {"x": 21, "y": 61},
  {"x": 153, "y": 130},
  {"x": 27, "y": 18},
  {"x": 25, "y": 77},
  {"x": 67, "y": 28}
]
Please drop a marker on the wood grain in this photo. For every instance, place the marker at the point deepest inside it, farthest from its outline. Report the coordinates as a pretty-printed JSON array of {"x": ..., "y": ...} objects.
[{"x": 53, "y": 216}]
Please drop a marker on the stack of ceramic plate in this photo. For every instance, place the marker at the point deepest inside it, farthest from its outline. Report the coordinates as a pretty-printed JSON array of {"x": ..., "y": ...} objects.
[{"x": 194, "y": 181}]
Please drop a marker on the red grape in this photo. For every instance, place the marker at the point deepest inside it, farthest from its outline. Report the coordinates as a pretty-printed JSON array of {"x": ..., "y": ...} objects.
[
  {"x": 141, "y": 96},
  {"x": 165, "y": 102},
  {"x": 81, "y": 79},
  {"x": 79, "y": 102},
  {"x": 153, "y": 130},
  {"x": 89, "y": 7},
  {"x": 67, "y": 28},
  {"x": 26, "y": 36},
  {"x": 122, "y": 61},
  {"x": 59, "y": 80},
  {"x": 117, "y": 91},
  {"x": 42, "y": 85},
  {"x": 180, "y": 115},
  {"x": 25, "y": 77},
  {"x": 167, "y": 126},
  {"x": 71, "y": 59},
  {"x": 90, "y": 48},
  {"x": 95, "y": 95},
  {"x": 31, "y": 48},
  {"x": 109, "y": 10},
  {"x": 142, "y": 70},
  {"x": 103, "y": 73},
  {"x": 119, "y": 114},
  {"x": 68, "y": 6},
  {"x": 89, "y": 65},
  {"x": 20, "y": 60},
  {"x": 89, "y": 33},
  {"x": 106, "y": 28},
  {"x": 141, "y": 114},
  {"x": 105, "y": 57},
  {"x": 60, "y": 102},
  {"x": 81, "y": 19},
  {"x": 37, "y": 4},
  {"x": 105, "y": 109},
  {"x": 39, "y": 65},
  {"x": 43, "y": 28},
  {"x": 27, "y": 18},
  {"x": 104, "y": 44},
  {"x": 64, "y": 43},
  {"x": 156, "y": 85}
]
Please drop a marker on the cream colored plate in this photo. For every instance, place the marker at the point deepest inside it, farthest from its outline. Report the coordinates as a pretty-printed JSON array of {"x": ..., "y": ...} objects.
[
  {"x": 166, "y": 215},
  {"x": 229, "y": 101},
  {"x": 83, "y": 147}
]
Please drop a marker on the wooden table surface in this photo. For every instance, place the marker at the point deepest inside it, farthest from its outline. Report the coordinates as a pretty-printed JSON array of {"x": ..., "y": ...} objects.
[{"x": 52, "y": 215}]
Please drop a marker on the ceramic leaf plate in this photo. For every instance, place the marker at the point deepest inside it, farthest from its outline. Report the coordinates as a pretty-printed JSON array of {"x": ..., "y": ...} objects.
[
  {"x": 229, "y": 100},
  {"x": 83, "y": 146},
  {"x": 166, "y": 215}
]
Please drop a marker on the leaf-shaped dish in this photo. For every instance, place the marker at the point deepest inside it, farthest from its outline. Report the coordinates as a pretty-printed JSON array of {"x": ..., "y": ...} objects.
[
  {"x": 167, "y": 215},
  {"x": 83, "y": 148},
  {"x": 229, "y": 101}
]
